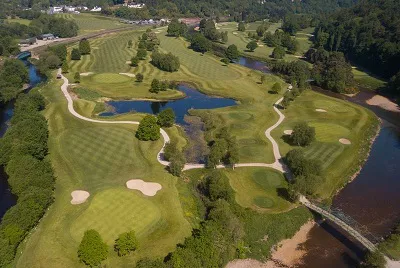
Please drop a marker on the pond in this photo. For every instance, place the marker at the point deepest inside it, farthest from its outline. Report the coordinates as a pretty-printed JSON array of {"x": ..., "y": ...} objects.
[{"x": 194, "y": 100}]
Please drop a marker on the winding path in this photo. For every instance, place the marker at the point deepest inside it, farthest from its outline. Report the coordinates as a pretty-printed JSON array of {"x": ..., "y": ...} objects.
[{"x": 278, "y": 164}]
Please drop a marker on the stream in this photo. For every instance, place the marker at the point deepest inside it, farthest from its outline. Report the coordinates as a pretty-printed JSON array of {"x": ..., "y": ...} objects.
[{"x": 7, "y": 199}]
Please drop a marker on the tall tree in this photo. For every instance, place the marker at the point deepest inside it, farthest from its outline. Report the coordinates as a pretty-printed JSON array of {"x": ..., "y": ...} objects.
[
  {"x": 92, "y": 250},
  {"x": 84, "y": 46}
]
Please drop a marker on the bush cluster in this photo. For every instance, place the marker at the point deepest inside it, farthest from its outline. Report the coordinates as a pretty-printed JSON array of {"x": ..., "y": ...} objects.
[
  {"x": 22, "y": 152},
  {"x": 166, "y": 62}
]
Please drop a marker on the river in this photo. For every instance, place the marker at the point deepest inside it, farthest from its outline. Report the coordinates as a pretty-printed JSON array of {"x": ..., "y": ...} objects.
[{"x": 7, "y": 199}]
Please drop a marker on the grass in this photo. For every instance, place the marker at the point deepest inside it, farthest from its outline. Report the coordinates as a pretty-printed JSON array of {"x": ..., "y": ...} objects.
[
  {"x": 240, "y": 39},
  {"x": 89, "y": 23},
  {"x": 367, "y": 81},
  {"x": 257, "y": 188},
  {"x": 100, "y": 159},
  {"x": 114, "y": 211},
  {"x": 342, "y": 120},
  {"x": 20, "y": 21}
]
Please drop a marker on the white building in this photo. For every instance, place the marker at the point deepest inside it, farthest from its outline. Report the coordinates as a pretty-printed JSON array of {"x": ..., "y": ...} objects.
[
  {"x": 96, "y": 9},
  {"x": 70, "y": 9},
  {"x": 55, "y": 10}
]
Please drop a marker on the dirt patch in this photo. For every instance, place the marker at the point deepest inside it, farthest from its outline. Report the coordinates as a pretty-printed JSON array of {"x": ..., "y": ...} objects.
[
  {"x": 128, "y": 74},
  {"x": 79, "y": 197},
  {"x": 128, "y": 62},
  {"x": 147, "y": 188},
  {"x": 384, "y": 103},
  {"x": 320, "y": 110},
  {"x": 344, "y": 141},
  {"x": 288, "y": 252},
  {"x": 288, "y": 132},
  {"x": 86, "y": 74}
]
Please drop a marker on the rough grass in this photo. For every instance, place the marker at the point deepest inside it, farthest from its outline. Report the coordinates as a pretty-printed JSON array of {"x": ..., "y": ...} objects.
[
  {"x": 100, "y": 159},
  {"x": 114, "y": 211},
  {"x": 342, "y": 120},
  {"x": 89, "y": 23},
  {"x": 257, "y": 188},
  {"x": 367, "y": 81},
  {"x": 20, "y": 21}
]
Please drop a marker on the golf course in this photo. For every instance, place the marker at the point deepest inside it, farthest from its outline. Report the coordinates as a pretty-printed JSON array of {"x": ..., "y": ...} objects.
[{"x": 99, "y": 155}]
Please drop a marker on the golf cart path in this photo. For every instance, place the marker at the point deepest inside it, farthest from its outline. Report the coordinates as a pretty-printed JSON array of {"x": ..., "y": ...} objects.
[{"x": 278, "y": 165}]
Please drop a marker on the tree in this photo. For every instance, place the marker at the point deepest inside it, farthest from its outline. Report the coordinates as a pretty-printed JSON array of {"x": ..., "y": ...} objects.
[
  {"x": 64, "y": 67},
  {"x": 225, "y": 61},
  {"x": 176, "y": 28},
  {"x": 141, "y": 54},
  {"x": 75, "y": 54},
  {"x": 176, "y": 164},
  {"x": 166, "y": 118},
  {"x": 166, "y": 62},
  {"x": 84, "y": 46},
  {"x": 374, "y": 259},
  {"x": 77, "y": 77},
  {"x": 130, "y": 44},
  {"x": 126, "y": 243},
  {"x": 148, "y": 129},
  {"x": 232, "y": 52},
  {"x": 139, "y": 77},
  {"x": 278, "y": 53},
  {"x": 92, "y": 250},
  {"x": 199, "y": 43},
  {"x": 303, "y": 134},
  {"x": 134, "y": 61},
  {"x": 224, "y": 37},
  {"x": 155, "y": 86},
  {"x": 217, "y": 186},
  {"x": 276, "y": 88},
  {"x": 252, "y": 45},
  {"x": 241, "y": 27}
]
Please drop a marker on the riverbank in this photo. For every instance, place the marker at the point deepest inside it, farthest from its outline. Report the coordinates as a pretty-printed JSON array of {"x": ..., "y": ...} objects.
[{"x": 287, "y": 253}]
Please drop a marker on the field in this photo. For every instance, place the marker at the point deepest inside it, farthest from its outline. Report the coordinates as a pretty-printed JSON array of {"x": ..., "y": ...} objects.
[
  {"x": 240, "y": 39},
  {"x": 257, "y": 188},
  {"x": 342, "y": 120},
  {"x": 20, "y": 21},
  {"x": 89, "y": 23},
  {"x": 100, "y": 159},
  {"x": 367, "y": 81}
]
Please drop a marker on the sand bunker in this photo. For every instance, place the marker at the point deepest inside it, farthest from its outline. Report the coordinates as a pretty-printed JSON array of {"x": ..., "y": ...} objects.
[
  {"x": 147, "y": 188},
  {"x": 86, "y": 74},
  {"x": 79, "y": 197},
  {"x": 345, "y": 141},
  {"x": 321, "y": 110},
  {"x": 384, "y": 103},
  {"x": 288, "y": 132},
  {"x": 128, "y": 74}
]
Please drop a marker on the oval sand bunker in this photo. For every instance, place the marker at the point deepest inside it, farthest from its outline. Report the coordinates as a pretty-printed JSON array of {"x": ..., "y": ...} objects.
[
  {"x": 345, "y": 141},
  {"x": 79, "y": 197},
  {"x": 320, "y": 110},
  {"x": 147, "y": 188},
  {"x": 288, "y": 132}
]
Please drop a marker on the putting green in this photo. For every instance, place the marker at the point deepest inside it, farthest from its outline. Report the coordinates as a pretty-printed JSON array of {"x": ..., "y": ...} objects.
[
  {"x": 110, "y": 78},
  {"x": 257, "y": 188},
  {"x": 327, "y": 132},
  {"x": 263, "y": 202},
  {"x": 115, "y": 211}
]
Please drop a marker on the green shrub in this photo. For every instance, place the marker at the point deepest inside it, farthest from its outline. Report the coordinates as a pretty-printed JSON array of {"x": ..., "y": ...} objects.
[
  {"x": 148, "y": 129},
  {"x": 126, "y": 243},
  {"x": 166, "y": 118},
  {"x": 92, "y": 250}
]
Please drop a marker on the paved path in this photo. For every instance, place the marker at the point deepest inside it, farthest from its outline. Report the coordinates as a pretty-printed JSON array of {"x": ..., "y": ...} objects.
[{"x": 278, "y": 164}]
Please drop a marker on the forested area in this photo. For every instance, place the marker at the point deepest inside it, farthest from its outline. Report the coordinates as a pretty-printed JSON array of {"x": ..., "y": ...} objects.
[
  {"x": 13, "y": 75},
  {"x": 23, "y": 152},
  {"x": 368, "y": 34}
]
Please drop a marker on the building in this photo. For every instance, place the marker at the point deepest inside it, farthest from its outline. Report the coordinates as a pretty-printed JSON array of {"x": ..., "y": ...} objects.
[
  {"x": 48, "y": 36},
  {"x": 55, "y": 10},
  {"x": 28, "y": 42},
  {"x": 96, "y": 9}
]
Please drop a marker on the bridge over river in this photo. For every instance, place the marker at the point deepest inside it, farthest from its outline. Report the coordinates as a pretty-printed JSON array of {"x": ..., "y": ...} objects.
[{"x": 353, "y": 231}]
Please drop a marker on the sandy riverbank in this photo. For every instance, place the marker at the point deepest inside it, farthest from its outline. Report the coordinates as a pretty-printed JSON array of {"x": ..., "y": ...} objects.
[
  {"x": 384, "y": 103},
  {"x": 288, "y": 253}
]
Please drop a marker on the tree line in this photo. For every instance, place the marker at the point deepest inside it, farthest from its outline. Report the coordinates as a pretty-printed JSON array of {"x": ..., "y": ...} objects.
[
  {"x": 23, "y": 151},
  {"x": 13, "y": 75}
]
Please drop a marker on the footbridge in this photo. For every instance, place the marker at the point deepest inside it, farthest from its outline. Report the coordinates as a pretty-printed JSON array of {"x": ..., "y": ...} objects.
[{"x": 355, "y": 232}]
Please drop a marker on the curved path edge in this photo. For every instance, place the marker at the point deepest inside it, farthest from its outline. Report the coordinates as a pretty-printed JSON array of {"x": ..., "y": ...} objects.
[{"x": 278, "y": 164}]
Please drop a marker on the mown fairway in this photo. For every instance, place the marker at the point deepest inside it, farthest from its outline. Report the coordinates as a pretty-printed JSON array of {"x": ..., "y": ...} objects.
[
  {"x": 100, "y": 159},
  {"x": 241, "y": 39},
  {"x": 257, "y": 188},
  {"x": 342, "y": 120},
  {"x": 89, "y": 23}
]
